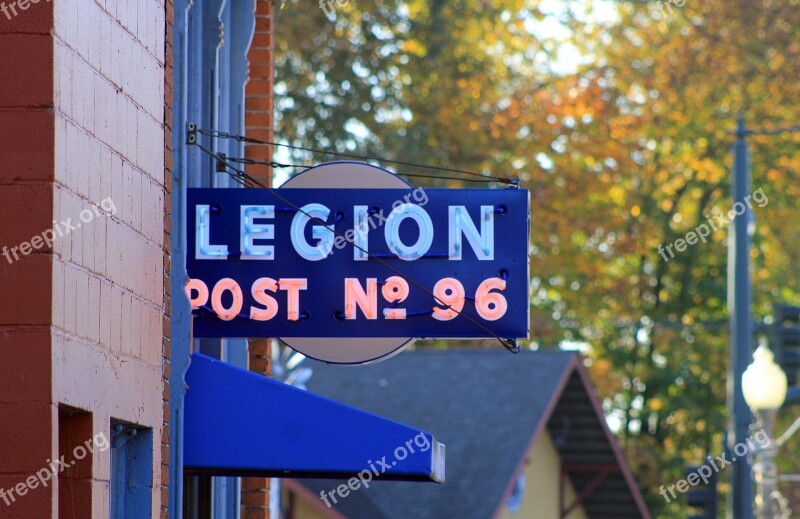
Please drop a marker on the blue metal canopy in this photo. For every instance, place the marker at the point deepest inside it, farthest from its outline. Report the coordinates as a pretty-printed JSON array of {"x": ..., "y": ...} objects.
[{"x": 239, "y": 423}]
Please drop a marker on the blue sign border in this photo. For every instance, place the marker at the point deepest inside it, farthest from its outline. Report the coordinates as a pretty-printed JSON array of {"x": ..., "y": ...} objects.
[{"x": 324, "y": 297}]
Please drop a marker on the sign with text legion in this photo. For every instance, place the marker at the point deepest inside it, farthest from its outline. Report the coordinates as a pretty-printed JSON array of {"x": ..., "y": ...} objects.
[{"x": 349, "y": 263}]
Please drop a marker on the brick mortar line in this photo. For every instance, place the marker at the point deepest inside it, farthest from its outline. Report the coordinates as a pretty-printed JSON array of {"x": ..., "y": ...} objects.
[
  {"x": 159, "y": 182},
  {"x": 167, "y": 257},
  {"x": 30, "y": 108},
  {"x": 64, "y": 334},
  {"x": 114, "y": 284},
  {"x": 102, "y": 75},
  {"x": 119, "y": 88},
  {"x": 25, "y": 33},
  {"x": 17, "y": 326},
  {"x": 13, "y": 110},
  {"x": 108, "y": 147},
  {"x": 27, "y": 182},
  {"x": 125, "y": 28},
  {"x": 137, "y": 167},
  {"x": 112, "y": 217}
]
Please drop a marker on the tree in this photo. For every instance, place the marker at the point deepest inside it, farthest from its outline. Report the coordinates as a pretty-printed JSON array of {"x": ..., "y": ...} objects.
[{"x": 624, "y": 147}]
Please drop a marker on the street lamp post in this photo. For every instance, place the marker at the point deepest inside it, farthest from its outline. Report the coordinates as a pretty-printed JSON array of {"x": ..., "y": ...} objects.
[
  {"x": 764, "y": 390},
  {"x": 741, "y": 325},
  {"x": 741, "y": 328}
]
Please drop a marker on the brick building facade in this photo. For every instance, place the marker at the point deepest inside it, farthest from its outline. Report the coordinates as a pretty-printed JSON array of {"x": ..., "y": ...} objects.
[
  {"x": 82, "y": 333},
  {"x": 258, "y": 124},
  {"x": 88, "y": 133},
  {"x": 95, "y": 328}
]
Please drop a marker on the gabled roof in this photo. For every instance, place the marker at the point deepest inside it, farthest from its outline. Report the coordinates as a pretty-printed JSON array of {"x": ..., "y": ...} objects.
[{"x": 487, "y": 407}]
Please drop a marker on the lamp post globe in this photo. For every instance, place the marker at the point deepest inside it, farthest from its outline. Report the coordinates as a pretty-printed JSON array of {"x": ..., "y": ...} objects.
[{"x": 764, "y": 382}]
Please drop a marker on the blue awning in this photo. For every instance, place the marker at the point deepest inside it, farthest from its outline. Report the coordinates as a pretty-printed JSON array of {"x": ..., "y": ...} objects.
[{"x": 239, "y": 423}]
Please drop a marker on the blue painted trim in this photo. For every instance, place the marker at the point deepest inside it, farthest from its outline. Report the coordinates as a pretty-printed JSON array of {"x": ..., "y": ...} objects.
[
  {"x": 180, "y": 316},
  {"x": 131, "y": 483},
  {"x": 209, "y": 84}
]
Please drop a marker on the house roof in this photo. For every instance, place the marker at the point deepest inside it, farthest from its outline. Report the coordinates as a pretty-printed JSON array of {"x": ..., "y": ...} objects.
[{"x": 487, "y": 407}]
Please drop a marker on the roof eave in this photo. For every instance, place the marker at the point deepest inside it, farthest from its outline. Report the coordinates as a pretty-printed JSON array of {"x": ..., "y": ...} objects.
[
  {"x": 548, "y": 412},
  {"x": 623, "y": 464},
  {"x": 575, "y": 365}
]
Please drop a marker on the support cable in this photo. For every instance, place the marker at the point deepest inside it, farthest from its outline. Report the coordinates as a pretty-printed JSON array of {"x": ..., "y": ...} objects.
[
  {"x": 242, "y": 177},
  {"x": 250, "y": 140}
]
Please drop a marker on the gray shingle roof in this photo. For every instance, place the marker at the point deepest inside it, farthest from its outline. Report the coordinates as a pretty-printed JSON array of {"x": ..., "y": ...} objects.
[{"x": 484, "y": 405}]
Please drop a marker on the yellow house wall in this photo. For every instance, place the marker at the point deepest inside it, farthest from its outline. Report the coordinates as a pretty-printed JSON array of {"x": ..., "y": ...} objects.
[
  {"x": 540, "y": 499},
  {"x": 302, "y": 508}
]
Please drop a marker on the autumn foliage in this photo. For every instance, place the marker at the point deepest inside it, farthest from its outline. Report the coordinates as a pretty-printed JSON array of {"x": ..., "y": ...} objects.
[{"x": 618, "y": 117}]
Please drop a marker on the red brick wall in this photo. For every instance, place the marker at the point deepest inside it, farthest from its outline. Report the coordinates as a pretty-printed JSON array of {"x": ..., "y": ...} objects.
[
  {"x": 259, "y": 92},
  {"x": 109, "y": 61},
  {"x": 81, "y": 327},
  {"x": 81, "y": 322},
  {"x": 258, "y": 124},
  {"x": 27, "y": 148},
  {"x": 166, "y": 352}
]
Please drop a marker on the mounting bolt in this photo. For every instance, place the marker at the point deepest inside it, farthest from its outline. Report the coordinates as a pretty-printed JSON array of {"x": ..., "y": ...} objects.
[
  {"x": 222, "y": 163},
  {"x": 191, "y": 133}
]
